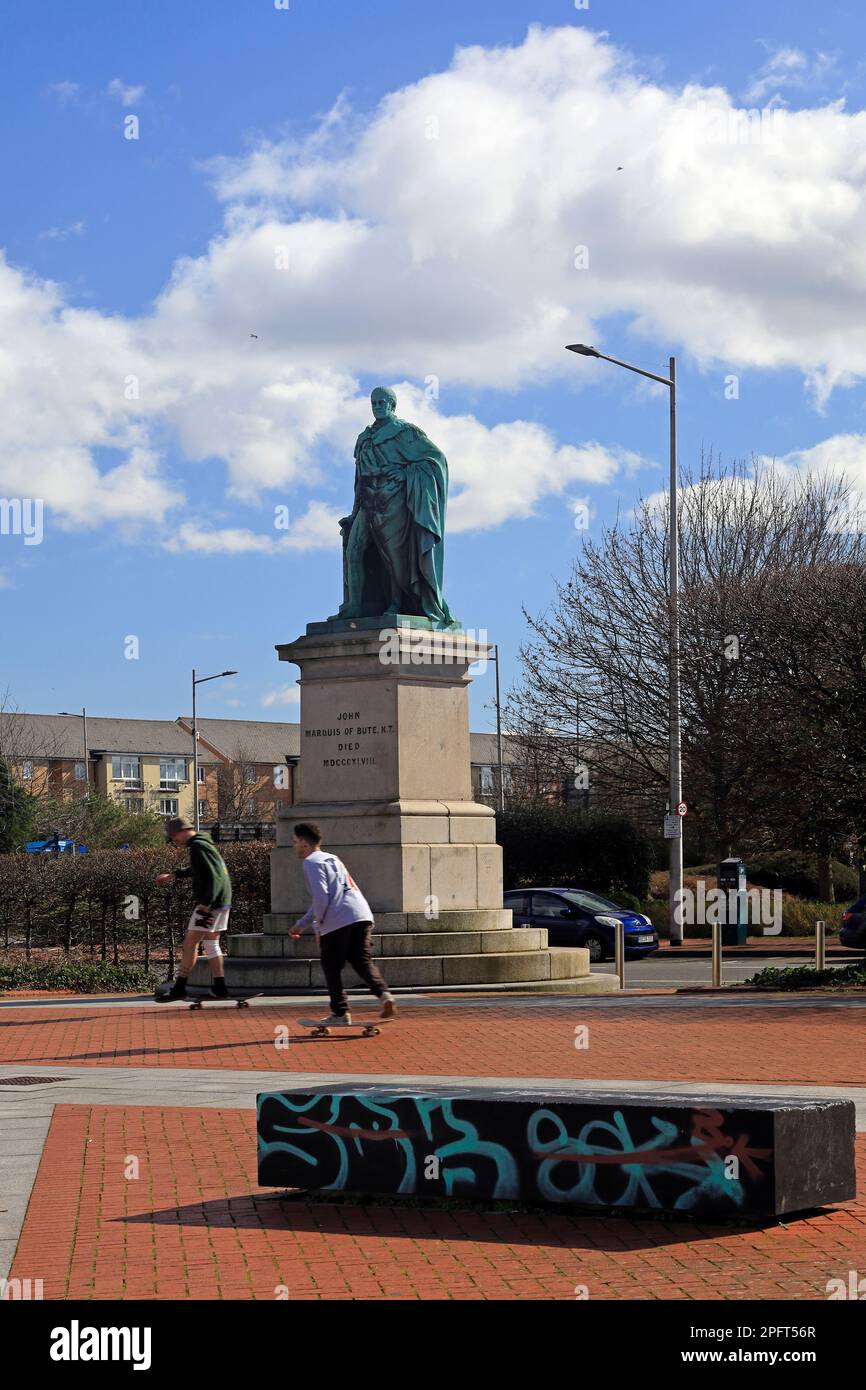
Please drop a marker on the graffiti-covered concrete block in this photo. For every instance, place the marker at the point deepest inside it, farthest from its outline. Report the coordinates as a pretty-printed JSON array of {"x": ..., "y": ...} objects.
[{"x": 711, "y": 1156}]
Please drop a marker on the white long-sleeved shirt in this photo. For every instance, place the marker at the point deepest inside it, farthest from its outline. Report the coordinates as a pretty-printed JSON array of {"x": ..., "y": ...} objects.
[{"x": 337, "y": 899}]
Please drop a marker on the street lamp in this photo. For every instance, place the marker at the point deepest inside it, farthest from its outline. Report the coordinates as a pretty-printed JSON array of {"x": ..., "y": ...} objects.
[
  {"x": 675, "y": 790},
  {"x": 86, "y": 764},
  {"x": 199, "y": 680},
  {"x": 499, "y": 731}
]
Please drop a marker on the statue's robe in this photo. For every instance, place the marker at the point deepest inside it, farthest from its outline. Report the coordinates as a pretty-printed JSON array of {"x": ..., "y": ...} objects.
[{"x": 407, "y": 520}]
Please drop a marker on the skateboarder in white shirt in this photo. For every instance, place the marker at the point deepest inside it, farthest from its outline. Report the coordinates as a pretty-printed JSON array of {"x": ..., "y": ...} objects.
[{"x": 343, "y": 923}]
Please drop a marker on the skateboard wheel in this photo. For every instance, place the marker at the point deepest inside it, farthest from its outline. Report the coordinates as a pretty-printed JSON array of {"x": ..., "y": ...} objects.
[
  {"x": 243, "y": 1004},
  {"x": 196, "y": 1004},
  {"x": 371, "y": 1032}
]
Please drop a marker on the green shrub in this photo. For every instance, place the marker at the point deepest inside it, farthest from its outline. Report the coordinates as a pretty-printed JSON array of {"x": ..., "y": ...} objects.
[
  {"x": 798, "y": 873},
  {"x": 799, "y": 916},
  {"x": 85, "y": 978},
  {"x": 628, "y": 900},
  {"x": 558, "y": 845},
  {"x": 807, "y": 977}
]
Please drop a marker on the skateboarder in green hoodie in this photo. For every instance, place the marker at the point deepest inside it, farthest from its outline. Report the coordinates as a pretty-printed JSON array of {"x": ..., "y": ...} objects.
[{"x": 212, "y": 895}]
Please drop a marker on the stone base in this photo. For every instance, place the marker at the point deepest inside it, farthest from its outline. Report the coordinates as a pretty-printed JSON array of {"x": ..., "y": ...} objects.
[
  {"x": 553, "y": 970},
  {"x": 385, "y": 772}
]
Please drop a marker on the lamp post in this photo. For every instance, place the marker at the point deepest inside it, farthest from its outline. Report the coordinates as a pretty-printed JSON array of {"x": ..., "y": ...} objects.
[
  {"x": 86, "y": 763},
  {"x": 675, "y": 788},
  {"x": 199, "y": 680},
  {"x": 499, "y": 733}
]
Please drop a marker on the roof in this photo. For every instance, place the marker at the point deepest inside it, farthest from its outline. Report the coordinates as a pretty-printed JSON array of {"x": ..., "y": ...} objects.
[
  {"x": 250, "y": 740},
  {"x": 62, "y": 736},
  {"x": 238, "y": 740},
  {"x": 482, "y": 749}
]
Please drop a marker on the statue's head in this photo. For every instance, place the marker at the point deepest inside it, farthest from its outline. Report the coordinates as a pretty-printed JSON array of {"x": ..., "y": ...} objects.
[{"x": 383, "y": 401}]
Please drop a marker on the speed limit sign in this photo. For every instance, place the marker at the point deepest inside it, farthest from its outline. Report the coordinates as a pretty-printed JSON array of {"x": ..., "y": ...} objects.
[{"x": 682, "y": 808}]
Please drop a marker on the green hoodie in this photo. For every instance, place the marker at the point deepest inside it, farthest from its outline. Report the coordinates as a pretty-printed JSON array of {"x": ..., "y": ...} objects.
[{"x": 211, "y": 885}]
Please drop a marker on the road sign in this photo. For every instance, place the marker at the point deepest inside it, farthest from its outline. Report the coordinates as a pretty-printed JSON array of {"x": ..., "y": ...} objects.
[
  {"x": 682, "y": 808},
  {"x": 673, "y": 828}
]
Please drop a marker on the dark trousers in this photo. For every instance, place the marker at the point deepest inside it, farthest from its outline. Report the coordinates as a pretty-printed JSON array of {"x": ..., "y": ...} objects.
[{"x": 350, "y": 945}]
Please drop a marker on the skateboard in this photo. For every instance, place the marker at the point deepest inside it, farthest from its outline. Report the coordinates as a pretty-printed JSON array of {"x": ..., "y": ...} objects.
[
  {"x": 197, "y": 996},
  {"x": 322, "y": 1030}
]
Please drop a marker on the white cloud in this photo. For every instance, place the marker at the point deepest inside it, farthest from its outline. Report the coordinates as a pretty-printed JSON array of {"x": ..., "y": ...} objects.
[
  {"x": 5, "y": 581},
  {"x": 64, "y": 91},
  {"x": 317, "y": 529},
  {"x": 62, "y": 233},
  {"x": 122, "y": 92},
  {"x": 789, "y": 67},
  {"x": 67, "y": 433},
  {"x": 435, "y": 237},
  {"x": 282, "y": 695},
  {"x": 455, "y": 255},
  {"x": 841, "y": 455}
]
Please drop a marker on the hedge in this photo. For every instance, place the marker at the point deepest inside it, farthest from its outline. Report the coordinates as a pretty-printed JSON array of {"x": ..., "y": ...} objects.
[
  {"x": 807, "y": 977},
  {"x": 798, "y": 919},
  {"x": 83, "y": 977},
  {"x": 561, "y": 846},
  {"x": 107, "y": 899}
]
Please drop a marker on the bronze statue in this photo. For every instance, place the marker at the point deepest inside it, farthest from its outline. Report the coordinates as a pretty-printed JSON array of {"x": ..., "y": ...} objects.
[{"x": 393, "y": 540}]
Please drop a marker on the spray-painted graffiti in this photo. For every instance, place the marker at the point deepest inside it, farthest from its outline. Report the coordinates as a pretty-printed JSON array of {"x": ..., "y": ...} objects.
[{"x": 641, "y": 1154}]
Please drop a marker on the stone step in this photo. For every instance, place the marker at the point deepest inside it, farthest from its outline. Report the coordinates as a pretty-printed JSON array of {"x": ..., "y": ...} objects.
[
  {"x": 470, "y": 919},
  {"x": 283, "y": 975},
  {"x": 257, "y": 946}
]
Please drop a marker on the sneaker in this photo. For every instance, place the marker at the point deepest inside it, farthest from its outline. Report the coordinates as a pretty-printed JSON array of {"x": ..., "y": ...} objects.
[
  {"x": 389, "y": 1007},
  {"x": 334, "y": 1018},
  {"x": 178, "y": 989}
]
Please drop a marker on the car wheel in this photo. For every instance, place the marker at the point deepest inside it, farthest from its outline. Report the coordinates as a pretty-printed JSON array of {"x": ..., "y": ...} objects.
[{"x": 597, "y": 947}]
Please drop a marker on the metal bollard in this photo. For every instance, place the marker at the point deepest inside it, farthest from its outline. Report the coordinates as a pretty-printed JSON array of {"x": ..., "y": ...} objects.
[
  {"x": 716, "y": 928},
  {"x": 619, "y": 952},
  {"x": 820, "y": 945}
]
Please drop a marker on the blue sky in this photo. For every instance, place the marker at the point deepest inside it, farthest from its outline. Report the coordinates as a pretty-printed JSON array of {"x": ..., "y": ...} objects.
[{"x": 415, "y": 251}]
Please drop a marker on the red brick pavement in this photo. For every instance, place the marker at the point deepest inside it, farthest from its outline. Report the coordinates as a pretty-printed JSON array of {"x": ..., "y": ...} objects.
[
  {"x": 193, "y": 1224},
  {"x": 710, "y": 1042}
]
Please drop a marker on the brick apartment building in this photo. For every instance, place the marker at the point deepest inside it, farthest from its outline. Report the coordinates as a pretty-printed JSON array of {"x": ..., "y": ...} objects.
[{"x": 248, "y": 769}]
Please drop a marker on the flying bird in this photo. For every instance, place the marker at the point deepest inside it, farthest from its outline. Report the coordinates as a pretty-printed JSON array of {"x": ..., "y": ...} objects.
[{"x": 254, "y": 335}]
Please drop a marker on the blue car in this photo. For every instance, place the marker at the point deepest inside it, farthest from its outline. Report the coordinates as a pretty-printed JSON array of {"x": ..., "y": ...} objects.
[
  {"x": 853, "y": 930},
  {"x": 574, "y": 917}
]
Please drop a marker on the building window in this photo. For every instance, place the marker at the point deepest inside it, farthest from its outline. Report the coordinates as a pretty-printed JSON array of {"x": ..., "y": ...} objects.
[
  {"x": 251, "y": 806},
  {"x": 202, "y": 810},
  {"x": 201, "y": 774},
  {"x": 486, "y": 781},
  {"x": 249, "y": 776},
  {"x": 126, "y": 769},
  {"x": 171, "y": 772},
  {"x": 168, "y": 805},
  {"x": 133, "y": 805},
  {"x": 279, "y": 805},
  {"x": 28, "y": 771},
  {"x": 80, "y": 772}
]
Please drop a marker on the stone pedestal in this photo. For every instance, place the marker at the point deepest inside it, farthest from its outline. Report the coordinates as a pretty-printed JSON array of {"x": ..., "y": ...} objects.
[{"x": 385, "y": 771}]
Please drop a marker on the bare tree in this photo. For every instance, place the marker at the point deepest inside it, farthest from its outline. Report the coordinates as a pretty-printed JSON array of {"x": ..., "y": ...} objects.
[
  {"x": 604, "y": 643},
  {"x": 233, "y": 789}
]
